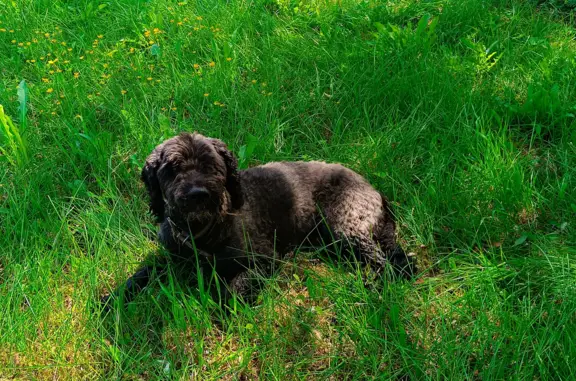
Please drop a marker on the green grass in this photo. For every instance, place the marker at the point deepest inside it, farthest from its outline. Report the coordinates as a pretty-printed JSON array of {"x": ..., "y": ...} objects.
[{"x": 462, "y": 112}]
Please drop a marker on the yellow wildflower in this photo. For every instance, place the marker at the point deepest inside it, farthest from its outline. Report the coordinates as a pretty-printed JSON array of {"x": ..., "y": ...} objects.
[
  {"x": 45, "y": 80},
  {"x": 76, "y": 75},
  {"x": 212, "y": 64},
  {"x": 199, "y": 18},
  {"x": 149, "y": 78},
  {"x": 157, "y": 31},
  {"x": 100, "y": 36},
  {"x": 206, "y": 94},
  {"x": 196, "y": 66},
  {"x": 81, "y": 57},
  {"x": 123, "y": 92},
  {"x": 50, "y": 90},
  {"x": 254, "y": 81},
  {"x": 229, "y": 59},
  {"x": 174, "y": 109},
  {"x": 147, "y": 33}
]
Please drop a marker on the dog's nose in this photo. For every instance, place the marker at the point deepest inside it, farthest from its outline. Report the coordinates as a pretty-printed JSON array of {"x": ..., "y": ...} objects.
[{"x": 196, "y": 194}]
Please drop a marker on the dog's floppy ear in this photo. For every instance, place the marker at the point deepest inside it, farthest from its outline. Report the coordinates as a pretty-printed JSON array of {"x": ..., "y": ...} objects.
[
  {"x": 150, "y": 178},
  {"x": 232, "y": 176}
]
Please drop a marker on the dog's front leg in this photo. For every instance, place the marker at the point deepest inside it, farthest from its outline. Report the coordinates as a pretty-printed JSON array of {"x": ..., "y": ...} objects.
[{"x": 132, "y": 287}]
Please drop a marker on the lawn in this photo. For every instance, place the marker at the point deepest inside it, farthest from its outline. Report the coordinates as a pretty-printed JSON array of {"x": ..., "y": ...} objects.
[{"x": 461, "y": 111}]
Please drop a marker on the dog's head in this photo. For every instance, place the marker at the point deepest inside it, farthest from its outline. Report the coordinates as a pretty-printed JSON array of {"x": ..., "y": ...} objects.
[{"x": 194, "y": 176}]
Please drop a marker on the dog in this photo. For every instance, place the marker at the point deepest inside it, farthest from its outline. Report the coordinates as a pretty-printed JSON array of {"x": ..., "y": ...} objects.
[{"x": 242, "y": 223}]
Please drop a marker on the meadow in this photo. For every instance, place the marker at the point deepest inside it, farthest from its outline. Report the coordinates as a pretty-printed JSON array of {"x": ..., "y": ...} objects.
[{"x": 461, "y": 111}]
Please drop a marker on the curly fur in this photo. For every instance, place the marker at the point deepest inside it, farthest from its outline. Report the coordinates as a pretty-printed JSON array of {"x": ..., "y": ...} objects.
[{"x": 262, "y": 213}]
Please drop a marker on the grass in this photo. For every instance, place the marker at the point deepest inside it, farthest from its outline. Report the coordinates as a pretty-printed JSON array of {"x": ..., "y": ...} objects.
[{"x": 462, "y": 112}]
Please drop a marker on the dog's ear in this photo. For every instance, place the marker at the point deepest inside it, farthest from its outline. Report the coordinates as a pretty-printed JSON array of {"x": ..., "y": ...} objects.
[
  {"x": 150, "y": 178},
  {"x": 232, "y": 176}
]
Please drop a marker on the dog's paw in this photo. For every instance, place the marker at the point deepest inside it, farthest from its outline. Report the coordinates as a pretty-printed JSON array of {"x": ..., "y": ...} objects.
[
  {"x": 404, "y": 263},
  {"x": 106, "y": 303}
]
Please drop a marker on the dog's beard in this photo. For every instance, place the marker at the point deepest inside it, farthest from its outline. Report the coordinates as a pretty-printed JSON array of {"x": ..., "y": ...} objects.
[{"x": 196, "y": 218}]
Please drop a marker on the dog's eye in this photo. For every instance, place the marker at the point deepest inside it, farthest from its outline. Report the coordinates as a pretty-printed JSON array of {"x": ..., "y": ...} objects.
[{"x": 167, "y": 170}]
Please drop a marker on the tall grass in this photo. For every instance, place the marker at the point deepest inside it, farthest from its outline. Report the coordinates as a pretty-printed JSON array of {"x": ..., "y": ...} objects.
[{"x": 461, "y": 112}]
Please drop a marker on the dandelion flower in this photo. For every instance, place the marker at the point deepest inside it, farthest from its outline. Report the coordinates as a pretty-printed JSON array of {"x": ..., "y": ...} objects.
[
  {"x": 149, "y": 78},
  {"x": 212, "y": 64},
  {"x": 50, "y": 90},
  {"x": 100, "y": 36},
  {"x": 123, "y": 92},
  {"x": 45, "y": 80},
  {"x": 76, "y": 75}
]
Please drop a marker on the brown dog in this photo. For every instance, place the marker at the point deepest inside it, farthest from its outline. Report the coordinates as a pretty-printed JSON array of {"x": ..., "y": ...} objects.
[{"x": 242, "y": 222}]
